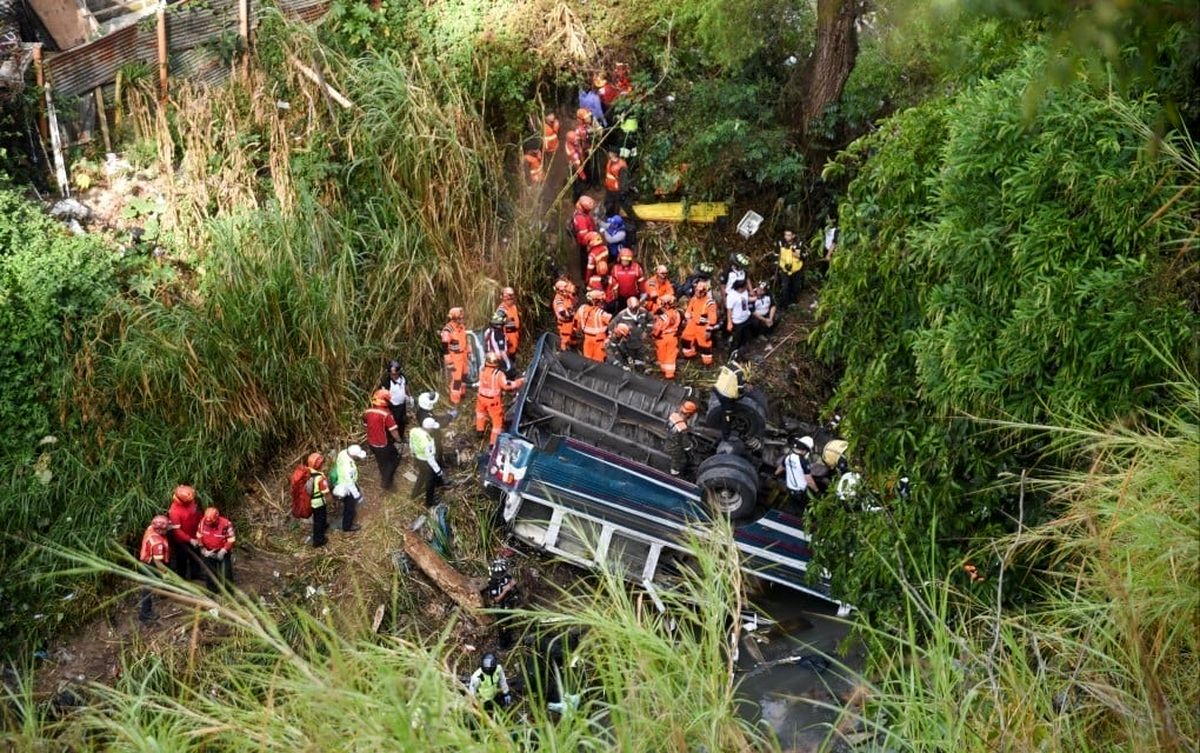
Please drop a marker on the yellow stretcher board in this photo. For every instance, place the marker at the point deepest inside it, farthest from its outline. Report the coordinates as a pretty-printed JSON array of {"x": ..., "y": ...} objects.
[{"x": 704, "y": 212}]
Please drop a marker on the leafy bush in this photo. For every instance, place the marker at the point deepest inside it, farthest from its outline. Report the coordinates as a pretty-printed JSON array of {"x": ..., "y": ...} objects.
[{"x": 995, "y": 267}]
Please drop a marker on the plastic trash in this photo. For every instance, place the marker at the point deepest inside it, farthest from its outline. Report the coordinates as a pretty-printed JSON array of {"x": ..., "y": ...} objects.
[{"x": 749, "y": 224}]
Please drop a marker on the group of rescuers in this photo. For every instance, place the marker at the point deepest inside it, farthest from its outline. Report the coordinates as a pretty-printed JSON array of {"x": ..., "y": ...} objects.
[{"x": 678, "y": 319}]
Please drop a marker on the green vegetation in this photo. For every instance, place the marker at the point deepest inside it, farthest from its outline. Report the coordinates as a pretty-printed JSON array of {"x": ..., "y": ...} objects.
[{"x": 997, "y": 267}]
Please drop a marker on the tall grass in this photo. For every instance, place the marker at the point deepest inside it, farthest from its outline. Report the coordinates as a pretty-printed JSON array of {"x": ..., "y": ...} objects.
[
  {"x": 1104, "y": 656},
  {"x": 647, "y": 681}
]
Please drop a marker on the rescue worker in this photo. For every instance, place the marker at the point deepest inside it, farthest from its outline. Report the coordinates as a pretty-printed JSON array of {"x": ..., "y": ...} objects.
[
  {"x": 512, "y": 325},
  {"x": 592, "y": 320},
  {"x": 628, "y": 275},
  {"x": 679, "y": 438},
  {"x": 700, "y": 319},
  {"x": 502, "y": 593},
  {"x": 665, "y": 333},
  {"x": 578, "y": 145},
  {"x": 798, "y": 476},
  {"x": 622, "y": 350},
  {"x": 564, "y": 312},
  {"x": 489, "y": 685},
  {"x": 426, "y": 402},
  {"x": 184, "y": 515},
  {"x": 345, "y": 484},
  {"x": 534, "y": 167},
  {"x": 657, "y": 287},
  {"x": 422, "y": 442},
  {"x": 489, "y": 401},
  {"x": 789, "y": 256},
  {"x": 763, "y": 316},
  {"x": 737, "y": 314},
  {"x": 155, "y": 555},
  {"x": 621, "y": 78},
  {"x": 216, "y": 547},
  {"x": 617, "y": 185},
  {"x": 729, "y": 387},
  {"x": 550, "y": 128},
  {"x": 615, "y": 235},
  {"x": 589, "y": 101},
  {"x": 495, "y": 341},
  {"x": 582, "y": 221},
  {"x": 703, "y": 271},
  {"x": 317, "y": 487},
  {"x": 597, "y": 255},
  {"x": 608, "y": 92},
  {"x": 381, "y": 432},
  {"x": 398, "y": 398},
  {"x": 454, "y": 356},
  {"x": 634, "y": 315}
]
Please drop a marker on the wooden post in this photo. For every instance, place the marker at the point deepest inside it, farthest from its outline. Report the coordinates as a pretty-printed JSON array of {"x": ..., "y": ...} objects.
[
  {"x": 453, "y": 583},
  {"x": 162, "y": 52},
  {"x": 244, "y": 33},
  {"x": 40, "y": 74},
  {"x": 60, "y": 162},
  {"x": 102, "y": 116}
]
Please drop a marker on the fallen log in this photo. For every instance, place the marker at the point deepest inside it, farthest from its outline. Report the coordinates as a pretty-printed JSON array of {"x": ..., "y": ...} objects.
[{"x": 453, "y": 583}]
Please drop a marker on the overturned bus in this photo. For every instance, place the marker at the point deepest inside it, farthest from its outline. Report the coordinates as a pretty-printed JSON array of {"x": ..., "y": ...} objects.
[{"x": 582, "y": 471}]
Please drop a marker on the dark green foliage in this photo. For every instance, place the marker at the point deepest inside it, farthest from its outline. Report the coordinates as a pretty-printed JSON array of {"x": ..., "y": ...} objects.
[{"x": 994, "y": 267}]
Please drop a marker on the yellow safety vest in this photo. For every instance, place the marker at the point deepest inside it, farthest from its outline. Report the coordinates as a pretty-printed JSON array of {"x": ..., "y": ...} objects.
[{"x": 789, "y": 259}]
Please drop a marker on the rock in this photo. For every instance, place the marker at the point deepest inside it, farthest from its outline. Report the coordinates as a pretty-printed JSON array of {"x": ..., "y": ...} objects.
[
  {"x": 75, "y": 228},
  {"x": 70, "y": 209}
]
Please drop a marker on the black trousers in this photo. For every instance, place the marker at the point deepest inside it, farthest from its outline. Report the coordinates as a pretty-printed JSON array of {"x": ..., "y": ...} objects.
[
  {"x": 320, "y": 518},
  {"x": 790, "y": 286},
  {"x": 349, "y": 510},
  {"x": 427, "y": 484},
  {"x": 146, "y": 599},
  {"x": 400, "y": 413},
  {"x": 388, "y": 458},
  {"x": 185, "y": 561},
  {"x": 739, "y": 336}
]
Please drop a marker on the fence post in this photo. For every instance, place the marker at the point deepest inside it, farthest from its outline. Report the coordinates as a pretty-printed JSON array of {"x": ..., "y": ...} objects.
[
  {"x": 102, "y": 116},
  {"x": 162, "y": 51},
  {"x": 40, "y": 74}
]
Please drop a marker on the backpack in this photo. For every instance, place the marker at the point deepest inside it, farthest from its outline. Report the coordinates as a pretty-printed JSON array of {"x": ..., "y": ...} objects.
[{"x": 301, "y": 500}]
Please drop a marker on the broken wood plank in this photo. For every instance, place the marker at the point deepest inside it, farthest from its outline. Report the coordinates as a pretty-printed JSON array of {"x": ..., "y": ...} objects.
[
  {"x": 319, "y": 80},
  {"x": 453, "y": 583}
]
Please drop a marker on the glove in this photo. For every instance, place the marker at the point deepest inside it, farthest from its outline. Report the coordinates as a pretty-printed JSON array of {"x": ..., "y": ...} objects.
[
  {"x": 221, "y": 554},
  {"x": 194, "y": 542}
]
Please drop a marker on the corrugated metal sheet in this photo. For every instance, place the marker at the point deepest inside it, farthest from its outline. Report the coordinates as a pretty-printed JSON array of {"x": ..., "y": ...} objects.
[
  {"x": 87, "y": 66},
  {"x": 190, "y": 32}
]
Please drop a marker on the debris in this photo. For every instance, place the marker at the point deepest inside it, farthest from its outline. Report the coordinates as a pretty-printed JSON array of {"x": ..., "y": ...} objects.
[
  {"x": 378, "y": 619},
  {"x": 453, "y": 583},
  {"x": 70, "y": 209},
  {"x": 749, "y": 224},
  {"x": 410, "y": 476},
  {"x": 319, "y": 80}
]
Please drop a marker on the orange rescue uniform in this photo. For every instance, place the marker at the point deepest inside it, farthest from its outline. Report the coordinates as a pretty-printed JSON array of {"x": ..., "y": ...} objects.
[
  {"x": 154, "y": 548},
  {"x": 489, "y": 403},
  {"x": 549, "y": 139},
  {"x": 666, "y": 339},
  {"x": 533, "y": 162},
  {"x": 700, "y": 317},
  {"x": 656, "y": 288},
  {"x": 454, "y": 356},
  {"x": 512, "y": 328},
  {"x": 593, "y": 322},
  {"x": 564, "y": 313}
]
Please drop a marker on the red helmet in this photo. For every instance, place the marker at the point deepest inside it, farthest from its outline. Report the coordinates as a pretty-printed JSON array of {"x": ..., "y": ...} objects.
[
  {"x": 688, "y": 408},
  {"x": 315, "y": 460},
  {"x": 585, "y": 203},
  {"x": 626, "y": 255},
  {"x": 380, "y": 397},
  {"x": 161, "y": 523},
  {"x": 583, "y": 114},
  {"x": 211, "y": 514},
  {"x": 594, "y": 239},
  {"x": 185, "y": 494}
]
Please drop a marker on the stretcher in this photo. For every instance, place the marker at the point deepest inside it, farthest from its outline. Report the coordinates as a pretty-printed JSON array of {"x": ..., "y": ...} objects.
[{"x": 704, "y": 212}]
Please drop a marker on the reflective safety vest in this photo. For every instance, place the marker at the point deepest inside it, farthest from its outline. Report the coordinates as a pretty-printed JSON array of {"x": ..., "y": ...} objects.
[
  {"x": 512, "y": 322},
  {"x": 316, "y": 487},
  {"x": 491, "y": 381},
  {"x": 534, "y": 163},
  {"x": 423, "y": 446},
  {"x": 345, "y": 469},
  {"x": 730, "y": 381},
  {"x": 564, "y": 307},
  {"x": 702, "y": 310},
  {"x": 154, "y": 546},
  {"x": 628, "y": 279},
  {"x": 789, "y": 258},
  {"x": 549, "y": 138},
  {"x": 454, "y": 338},
  {"x": 216, "y": 535},
  {"x": 612, "y": 174},
  {"x": 595, "y": 321},
  {"x": 666, "y": 323}
]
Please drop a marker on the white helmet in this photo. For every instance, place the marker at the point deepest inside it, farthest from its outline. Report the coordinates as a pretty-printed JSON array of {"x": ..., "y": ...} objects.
[
  {"x": 356, "y": 451},
  {"x": 426, "y": 400},
  {"x": 430, "y": 423}
]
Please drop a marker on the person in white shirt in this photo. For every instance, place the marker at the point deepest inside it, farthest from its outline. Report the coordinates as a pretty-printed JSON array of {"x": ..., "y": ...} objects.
[
  {"x": 398, "y": 398},
  {"x": 763, "y": 318},
  {"x": 737, "y": 314},
  {"x": 795, "y": 468}
]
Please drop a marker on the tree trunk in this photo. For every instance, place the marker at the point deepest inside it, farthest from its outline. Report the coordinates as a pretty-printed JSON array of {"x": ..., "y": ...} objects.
[
  {"x": 453, "y": 583},
  {"x": 834, "y": 56}
]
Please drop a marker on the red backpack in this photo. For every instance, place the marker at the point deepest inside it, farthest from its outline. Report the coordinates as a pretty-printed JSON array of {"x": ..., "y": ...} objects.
[{"x": 301, "y": 501}]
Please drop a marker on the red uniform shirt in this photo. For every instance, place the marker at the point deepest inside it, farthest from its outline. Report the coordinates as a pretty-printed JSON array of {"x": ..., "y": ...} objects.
[
  {"x": 216, "y": 535},
  {"x": 380, "y": 426},
  {"x": 187, "y": 517},
  {"x": 628, "y": 279},
  {"x": 583, "y": 224},
  {"x": 154, "y": 547}
]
